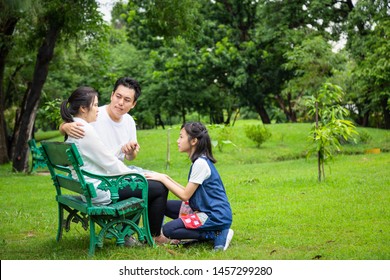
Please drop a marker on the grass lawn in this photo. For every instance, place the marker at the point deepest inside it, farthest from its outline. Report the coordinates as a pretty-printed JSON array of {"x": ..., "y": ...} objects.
[{"x": 280, "y": 210}]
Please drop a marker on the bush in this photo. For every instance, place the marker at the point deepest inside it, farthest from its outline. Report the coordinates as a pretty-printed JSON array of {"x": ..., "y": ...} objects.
[
  {"x": 49, "y": 116},
  {"x": 257, "y": 133},
  {"x": 222, "y": 136},
  {"x": 364, "y": 137}
]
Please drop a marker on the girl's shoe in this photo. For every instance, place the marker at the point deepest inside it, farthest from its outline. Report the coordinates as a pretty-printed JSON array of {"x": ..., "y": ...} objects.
[{"x": 222, "y": 240}]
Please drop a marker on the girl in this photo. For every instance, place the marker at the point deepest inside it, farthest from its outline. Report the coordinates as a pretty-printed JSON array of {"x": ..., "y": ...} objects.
[
  {"x": 203, "y": 213},
  {"x": 82, "y": 107}
]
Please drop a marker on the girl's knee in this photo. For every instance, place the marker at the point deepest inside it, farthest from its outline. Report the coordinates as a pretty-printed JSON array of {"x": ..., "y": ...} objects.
[
  {"x": 167, "y": 231},
  {"x": 170, "y": 229}
]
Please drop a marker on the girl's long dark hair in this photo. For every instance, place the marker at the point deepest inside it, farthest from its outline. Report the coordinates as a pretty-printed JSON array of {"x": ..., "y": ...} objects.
[
  {"x": 81, "y": 97},
  {"x": 198, "y": 130}
]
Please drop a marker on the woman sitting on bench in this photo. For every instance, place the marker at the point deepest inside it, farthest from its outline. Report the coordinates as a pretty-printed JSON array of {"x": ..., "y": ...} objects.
[{"x": 82, "y": 106}]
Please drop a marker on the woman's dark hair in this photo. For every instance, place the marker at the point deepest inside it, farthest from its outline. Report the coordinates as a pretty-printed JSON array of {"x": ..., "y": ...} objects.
[
  {"x": 199, "y": 131},
  {"x": 81, "y": 97},
  {"x": 129, "y": 83}
]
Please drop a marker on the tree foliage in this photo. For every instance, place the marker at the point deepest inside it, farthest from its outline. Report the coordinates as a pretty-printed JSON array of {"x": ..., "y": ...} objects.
[
  {"x": 194, "y": 59},
  {"x": 53, "y": 21},
  {"x": 369, "y": 45},
  {"x": 330, "y": 124}
]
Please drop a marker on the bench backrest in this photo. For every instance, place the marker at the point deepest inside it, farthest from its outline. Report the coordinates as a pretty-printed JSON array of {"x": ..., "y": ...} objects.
[
  {"x": 63, "y": 159},
  {"x": 38, "y": 160},
  {"x": 33, "y": 147}
]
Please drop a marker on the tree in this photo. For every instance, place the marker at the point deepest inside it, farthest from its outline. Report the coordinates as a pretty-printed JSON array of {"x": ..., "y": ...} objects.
[
  {"x": 58, "y": 18},
  {"x": 330, "y": 124},
  {"x": 151, "y": 23},
  {"x": 179, "y": 71},
  {"x": 368, "y": 32},
  {"x": 176, "y": 78},
  {"x": 10, "y": 13},
  {"x": 284, "y": 25},
  {"x": 313, "y": 62},
  {"x": 243, "y": 46},
  {"x": 243, "y": 56}
]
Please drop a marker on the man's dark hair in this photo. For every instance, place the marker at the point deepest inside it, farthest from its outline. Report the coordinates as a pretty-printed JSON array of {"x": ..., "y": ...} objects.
[{"x": 129, "y": 83}]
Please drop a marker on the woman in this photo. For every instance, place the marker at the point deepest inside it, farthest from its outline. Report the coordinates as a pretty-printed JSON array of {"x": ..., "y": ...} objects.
[
  {"x": 82, "y": 107},
  {"x": 203, "y": 211}
]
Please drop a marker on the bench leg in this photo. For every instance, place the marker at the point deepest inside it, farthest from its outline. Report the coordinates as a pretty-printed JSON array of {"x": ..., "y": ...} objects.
[
  {"x": 60, "y": 222},
  {"x": 120, "y": 228},
  {"x": 146, "y": 228},
  {"x": 33, "y": 166},
  {"x": 92, "y": 238}
]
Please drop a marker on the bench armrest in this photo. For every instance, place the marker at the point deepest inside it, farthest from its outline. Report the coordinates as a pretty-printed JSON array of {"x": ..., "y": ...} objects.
[{"x": 114, "y": 183}]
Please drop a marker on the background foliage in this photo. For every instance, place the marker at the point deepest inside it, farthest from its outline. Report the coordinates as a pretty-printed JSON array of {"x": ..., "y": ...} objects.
[{"x": 211, "y": 60}]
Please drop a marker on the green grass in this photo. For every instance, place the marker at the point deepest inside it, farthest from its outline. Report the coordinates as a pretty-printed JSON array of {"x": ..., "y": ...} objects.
[
  {"x": 280, "y": 211},
  {"x": 48, "y": 135}
]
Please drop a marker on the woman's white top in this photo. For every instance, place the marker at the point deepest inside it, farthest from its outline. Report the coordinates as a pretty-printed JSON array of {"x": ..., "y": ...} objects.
[{"x": 97, "y": 159}]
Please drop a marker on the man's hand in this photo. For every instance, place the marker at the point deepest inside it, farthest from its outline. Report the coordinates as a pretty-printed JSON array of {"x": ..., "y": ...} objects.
[
  {"x": 130, "y": 150},
  {"x": 73, "y": 129}
]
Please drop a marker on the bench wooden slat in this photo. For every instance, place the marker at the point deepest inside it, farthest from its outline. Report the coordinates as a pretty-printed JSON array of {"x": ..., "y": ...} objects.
[{"x": 70, "y": 184}]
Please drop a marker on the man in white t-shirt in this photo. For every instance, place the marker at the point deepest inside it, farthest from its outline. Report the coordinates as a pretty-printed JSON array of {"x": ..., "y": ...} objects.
[
  {"x": 114, "y": 125},
  {"x": 117, "y": 130}
]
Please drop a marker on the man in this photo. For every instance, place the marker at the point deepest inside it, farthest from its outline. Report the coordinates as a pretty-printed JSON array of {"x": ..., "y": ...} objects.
[
  {"x": 115, "y": 127},
  {"x": 117, "y": 130}
]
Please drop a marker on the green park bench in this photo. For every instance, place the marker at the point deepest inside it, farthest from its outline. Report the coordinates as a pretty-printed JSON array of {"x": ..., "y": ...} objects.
[
  {"x": 118, "y": 220},
  {"x": 37, "y": 160}
]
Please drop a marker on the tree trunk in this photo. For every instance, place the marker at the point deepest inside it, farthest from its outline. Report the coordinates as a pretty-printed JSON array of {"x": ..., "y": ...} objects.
[
  {"x": 25, "y": 124},
  {"x": 319, "y": 166},
  {"x": 183, "y": 115},
  {"x": 292, "y": 114},
  {"x": 229, "y": 115},
  {"x": 319, "y": 152},
  {"x": 216, "y": 116},
  {"x": 289, "y": 113},
  {"x": 6, "y": 32},
  {"x": 236, "y": 115},
  {"x": 386, "y": 112},
  {"x": 366, "y": 119},
  {"x": 263, "y": 113}
]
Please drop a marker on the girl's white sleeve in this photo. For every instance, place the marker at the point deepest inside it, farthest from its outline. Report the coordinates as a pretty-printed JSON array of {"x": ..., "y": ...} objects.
[
  {"x": 200, "y": 171},
  {"x": 95, "y": 150}
]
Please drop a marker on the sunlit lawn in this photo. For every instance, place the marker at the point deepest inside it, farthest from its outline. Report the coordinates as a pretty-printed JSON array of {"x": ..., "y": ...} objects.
[{"x": 281, "y": 212}]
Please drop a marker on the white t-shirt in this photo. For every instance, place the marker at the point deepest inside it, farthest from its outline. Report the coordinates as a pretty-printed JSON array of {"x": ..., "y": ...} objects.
[
  {"x": 200, "y": 171},
  {"x": 115, "y": 134},
  {"x": 97, "y": 159}
]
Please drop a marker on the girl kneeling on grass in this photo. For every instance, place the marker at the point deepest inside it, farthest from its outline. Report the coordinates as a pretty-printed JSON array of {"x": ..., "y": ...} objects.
[{"x": 209, "y": 216}]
